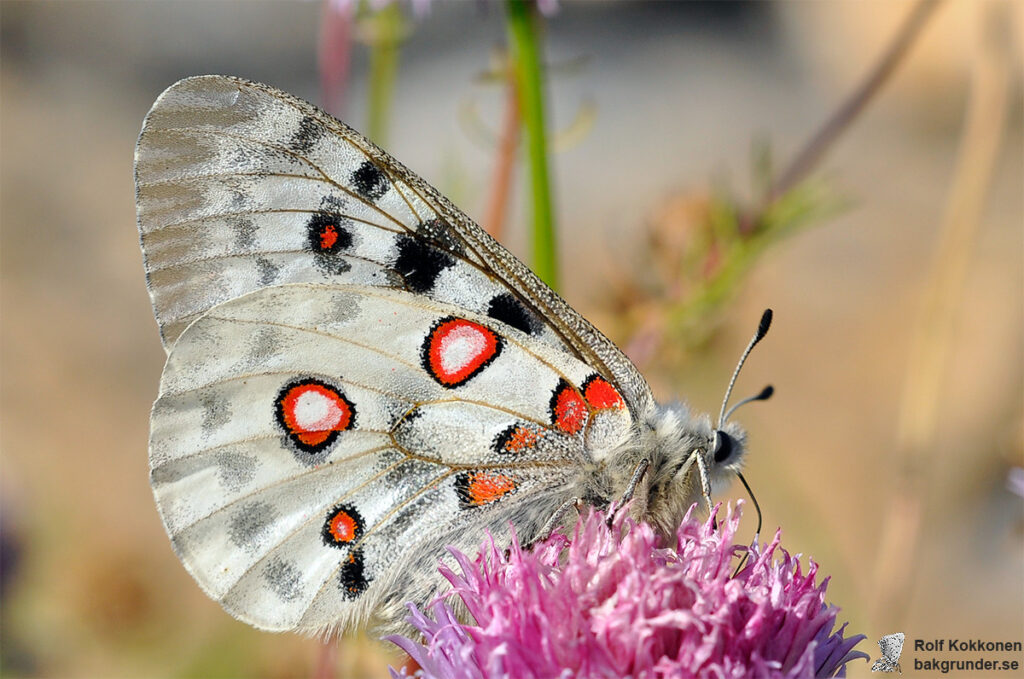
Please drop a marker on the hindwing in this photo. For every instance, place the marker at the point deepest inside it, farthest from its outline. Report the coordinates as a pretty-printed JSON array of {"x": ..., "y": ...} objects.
[{"x": 314, "y": 445}]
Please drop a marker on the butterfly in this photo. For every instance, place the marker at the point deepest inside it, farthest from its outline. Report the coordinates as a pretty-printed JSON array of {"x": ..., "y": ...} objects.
[
  {"x": 359, "y": 376},
  {"x": 892, "y": 646}
]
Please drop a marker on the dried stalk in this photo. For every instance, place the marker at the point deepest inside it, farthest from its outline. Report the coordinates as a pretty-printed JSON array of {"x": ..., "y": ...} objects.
[{"x": 932, "y": 340}]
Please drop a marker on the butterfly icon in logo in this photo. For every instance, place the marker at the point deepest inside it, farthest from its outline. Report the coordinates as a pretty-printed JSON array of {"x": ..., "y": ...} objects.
[{"x": 892, "y": 646}]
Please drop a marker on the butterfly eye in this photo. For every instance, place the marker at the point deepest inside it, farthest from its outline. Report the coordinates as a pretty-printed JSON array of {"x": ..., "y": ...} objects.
[{"x": 723, "y": 446}]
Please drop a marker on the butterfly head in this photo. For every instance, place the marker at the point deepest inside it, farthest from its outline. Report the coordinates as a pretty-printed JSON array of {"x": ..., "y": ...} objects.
[
  {"x": 690, "y": 459},
  {"x": 726, "y": 446},
  {"x": 681, "y": 444}
]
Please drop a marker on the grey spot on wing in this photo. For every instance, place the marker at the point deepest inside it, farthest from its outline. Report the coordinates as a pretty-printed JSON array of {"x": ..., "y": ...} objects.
[
  {"x": 260, "y": 348},
  {"x": 207, "y": 335},
  {"x": 268, "y": 271},
  {"x": 216, "y": 413},
  {"x": 345, "y": 308},
  {"x": 332, "y": 266},
  {"x": 251, "y": 524},
  {"x": 245, "y": 232},
  {"x": 333, "y": 202},
  {"x": 283, "y": 578},
  {"x": 240, "y": 199},
  {"x": 236, "y": 156},
  {"x": 235, "y": 470}
]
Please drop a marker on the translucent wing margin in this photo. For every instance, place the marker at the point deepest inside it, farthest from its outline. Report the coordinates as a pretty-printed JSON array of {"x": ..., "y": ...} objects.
[{"x": 241, "y": 186}]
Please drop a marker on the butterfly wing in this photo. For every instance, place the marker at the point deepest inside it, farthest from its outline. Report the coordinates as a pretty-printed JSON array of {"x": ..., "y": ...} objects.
[
  {"x": 892, "y": 646},
  {"x": 883, "y": 665},
  {"x": 314, "y": 448},
  {"x": 241, "y": 186},
  {"x": 357, "y": 376}
]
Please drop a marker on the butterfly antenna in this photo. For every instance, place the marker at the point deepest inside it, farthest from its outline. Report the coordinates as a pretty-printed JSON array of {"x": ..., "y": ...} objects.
[
  {"x": 757, "y": 507},
  {"x": 762, "y": 395},
  {"x": 757, "y": 534},
  {"x": 762, "y": 330}
]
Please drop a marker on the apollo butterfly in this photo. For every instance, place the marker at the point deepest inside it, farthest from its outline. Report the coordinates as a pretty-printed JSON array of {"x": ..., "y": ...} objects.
[{"x": 359, "y": 376}]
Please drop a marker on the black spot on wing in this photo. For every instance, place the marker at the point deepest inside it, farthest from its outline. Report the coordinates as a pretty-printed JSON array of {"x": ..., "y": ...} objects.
[
  {"x": 420, "y": 264},
  {"x": 369, "y": 181},
  {"x": 440, "y": 232},
  {"x": 306, "y": 136},
  {"x": 507, "y": 309},
  {"x": 328, "y": 237},
  {"x": 352, "y": 575}
]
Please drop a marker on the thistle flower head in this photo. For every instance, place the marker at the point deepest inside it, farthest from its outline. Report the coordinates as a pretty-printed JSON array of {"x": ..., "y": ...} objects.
[{"x": 612, "y": 602}]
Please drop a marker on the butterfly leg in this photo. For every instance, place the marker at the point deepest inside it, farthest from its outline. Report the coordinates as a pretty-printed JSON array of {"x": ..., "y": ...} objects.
[
  {"x": 634, "y": 481},
  {"x": 557, "y": 517},
  {"x": 705, "y": 478},
  {"x": 705, "y": 482}
]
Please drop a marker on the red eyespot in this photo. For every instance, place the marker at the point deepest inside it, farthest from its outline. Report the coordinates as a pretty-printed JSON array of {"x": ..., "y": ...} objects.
[
  {"x": 517, "y": 439},
  {"x": 600, "y": 394},
  {"x": 476, "y": 489},
  {"x": 328, "y": 237},
  {"x": 343, "y": 525},
  {"x": 312, "y": 413},
  {"x": 568, "y": 410},
  {"x": 456, "y": 350}
]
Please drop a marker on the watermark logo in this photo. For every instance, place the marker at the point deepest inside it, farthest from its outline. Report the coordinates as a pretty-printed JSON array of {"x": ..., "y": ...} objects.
[{"x": 892, "y": 646}]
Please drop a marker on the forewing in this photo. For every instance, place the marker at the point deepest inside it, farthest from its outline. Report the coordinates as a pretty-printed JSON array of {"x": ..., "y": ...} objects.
[
  {"x": 892, "y": 646},
  {"x": 315, "y": 447},
  {"x": 240, "y": 186}
]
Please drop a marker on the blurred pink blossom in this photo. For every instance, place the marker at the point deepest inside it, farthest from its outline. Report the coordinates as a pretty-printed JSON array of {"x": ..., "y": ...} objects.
[
  {"x": 611, "y": 602},
  {"x": 421, "y": 8},
  {"x": 1015, "y": 481}
]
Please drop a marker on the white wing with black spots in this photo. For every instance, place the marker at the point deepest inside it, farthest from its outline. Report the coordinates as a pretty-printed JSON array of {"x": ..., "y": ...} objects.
[
  {"x": 240, "y": 187},
  {"x": 311, "y": 442}
]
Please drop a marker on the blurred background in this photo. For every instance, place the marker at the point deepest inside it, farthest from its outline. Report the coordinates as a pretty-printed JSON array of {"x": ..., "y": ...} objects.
[{"x": 896, "y": 350}]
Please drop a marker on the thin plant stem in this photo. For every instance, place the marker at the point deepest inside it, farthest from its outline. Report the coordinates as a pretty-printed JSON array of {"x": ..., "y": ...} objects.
[
  {"x": 327, "y": 659},
  {"x": 529, "y": 71},
  {"x": 980, "y": 145},
  {"x": 386, "y": 29},
  {"x": 334, "y": 50},
  {"x": 501, "y": 181},
  {"x": 814, "y": 150}
]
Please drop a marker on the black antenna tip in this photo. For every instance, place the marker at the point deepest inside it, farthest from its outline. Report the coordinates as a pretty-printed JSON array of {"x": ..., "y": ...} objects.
[
  {"x": 766, "y": 322},
  {"x": 765, "y": 394}
]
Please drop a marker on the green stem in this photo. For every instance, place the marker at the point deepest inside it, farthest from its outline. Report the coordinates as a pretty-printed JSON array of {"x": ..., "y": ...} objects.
[
  {"x": 386, "y": 28},
  {"x": 524, "y": 39}
]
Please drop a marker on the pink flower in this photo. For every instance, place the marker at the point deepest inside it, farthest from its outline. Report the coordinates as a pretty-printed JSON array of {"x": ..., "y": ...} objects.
[{"x": 613, "y": 603}]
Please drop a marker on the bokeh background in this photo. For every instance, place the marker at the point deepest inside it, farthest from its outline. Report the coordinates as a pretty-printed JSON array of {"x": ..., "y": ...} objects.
[{"x": 900, "y": 492}]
